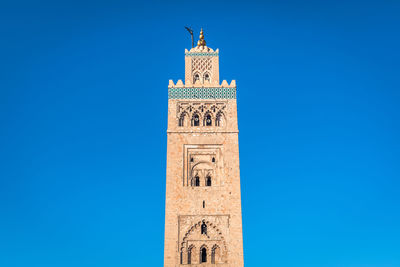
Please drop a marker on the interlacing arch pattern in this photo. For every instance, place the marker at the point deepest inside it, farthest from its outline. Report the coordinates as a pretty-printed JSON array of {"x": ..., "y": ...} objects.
[
  {"x": 201, "y": 114},
  {"x": 200, "y": 67},
  {"x": 208, "y": 251},
  {"x": 201, "y": 64}
]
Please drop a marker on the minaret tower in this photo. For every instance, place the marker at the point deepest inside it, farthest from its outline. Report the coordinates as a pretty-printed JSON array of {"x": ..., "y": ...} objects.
[{"x": 203, "y": 218}]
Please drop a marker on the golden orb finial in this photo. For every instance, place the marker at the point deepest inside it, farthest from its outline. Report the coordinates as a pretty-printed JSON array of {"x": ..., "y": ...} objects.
[{"x": 201, "y": 41}]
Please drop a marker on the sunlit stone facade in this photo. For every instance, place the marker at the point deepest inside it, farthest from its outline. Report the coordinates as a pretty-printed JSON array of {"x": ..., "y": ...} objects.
[{"x": 203, "y": 219}]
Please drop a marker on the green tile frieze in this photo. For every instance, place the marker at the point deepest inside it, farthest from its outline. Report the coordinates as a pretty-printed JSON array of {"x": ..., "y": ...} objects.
[
  {"x": 202, "y": 93},
  {"x": 200, "y": 54}
]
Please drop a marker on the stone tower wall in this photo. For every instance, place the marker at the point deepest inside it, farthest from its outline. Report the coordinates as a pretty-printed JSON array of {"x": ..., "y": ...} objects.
[{"x": 203, "y": 203}]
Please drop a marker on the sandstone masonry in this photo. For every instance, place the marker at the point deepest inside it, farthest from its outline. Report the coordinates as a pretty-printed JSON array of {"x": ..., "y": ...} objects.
[{"x": 203, "y": 220}]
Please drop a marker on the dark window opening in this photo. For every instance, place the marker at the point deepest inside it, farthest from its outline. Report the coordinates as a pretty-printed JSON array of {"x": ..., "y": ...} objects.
[
  {"x": 197, "y": 181},
  {"x": 213, "y": 159},
  {"x": 203, "y": 257},
  {"x": 196, "y": 120},
  {"x": 204, "y": 228},
  {"x": 208, "y": 120},
  {"x": 204, "y": 204},
  {"x": 182, "y": 120},
  {"x": 189, "y": 260},
  {"x": 196, "y": 77},
  {"x": 208, "y": 182},
  {"x": 219, "y": 120},
  {"x": 191, "y": 159}
]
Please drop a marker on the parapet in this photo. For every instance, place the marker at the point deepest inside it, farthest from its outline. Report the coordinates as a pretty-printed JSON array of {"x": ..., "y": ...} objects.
[{"x": 180, "y": 84}]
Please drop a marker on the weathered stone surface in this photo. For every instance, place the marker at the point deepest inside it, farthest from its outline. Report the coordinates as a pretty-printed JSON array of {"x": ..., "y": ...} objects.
[{"x": 203, "y": 220}]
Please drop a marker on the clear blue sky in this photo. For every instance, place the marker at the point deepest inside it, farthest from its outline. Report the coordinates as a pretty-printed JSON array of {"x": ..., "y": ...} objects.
[{"x": 83, "y": 110}]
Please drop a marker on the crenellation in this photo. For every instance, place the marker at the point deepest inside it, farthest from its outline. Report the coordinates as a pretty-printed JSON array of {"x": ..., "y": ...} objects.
[
  {"x": 179, "y": 83},
  {"x": 199, "y": 84}
]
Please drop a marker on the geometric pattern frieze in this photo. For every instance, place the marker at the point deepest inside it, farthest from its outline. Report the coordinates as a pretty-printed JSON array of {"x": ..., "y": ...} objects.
[
  {"x": 202, "y": 93},
  {"x": 207, "y": 54}
]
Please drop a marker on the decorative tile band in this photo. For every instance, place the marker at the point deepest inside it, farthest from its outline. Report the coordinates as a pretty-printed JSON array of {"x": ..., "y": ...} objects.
[
  {"x": 210, "y": 54},
  {"x": 202, "y": 93}
]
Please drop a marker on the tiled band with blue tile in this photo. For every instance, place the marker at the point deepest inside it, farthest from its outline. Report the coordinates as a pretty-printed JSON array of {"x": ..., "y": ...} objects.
[
  {"x": 201, "y": 54},
  {"x": 202, "y": 93}
]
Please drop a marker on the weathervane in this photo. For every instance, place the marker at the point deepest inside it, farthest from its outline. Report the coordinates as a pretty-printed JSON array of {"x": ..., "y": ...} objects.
[{"x": 191, "y": 34}]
